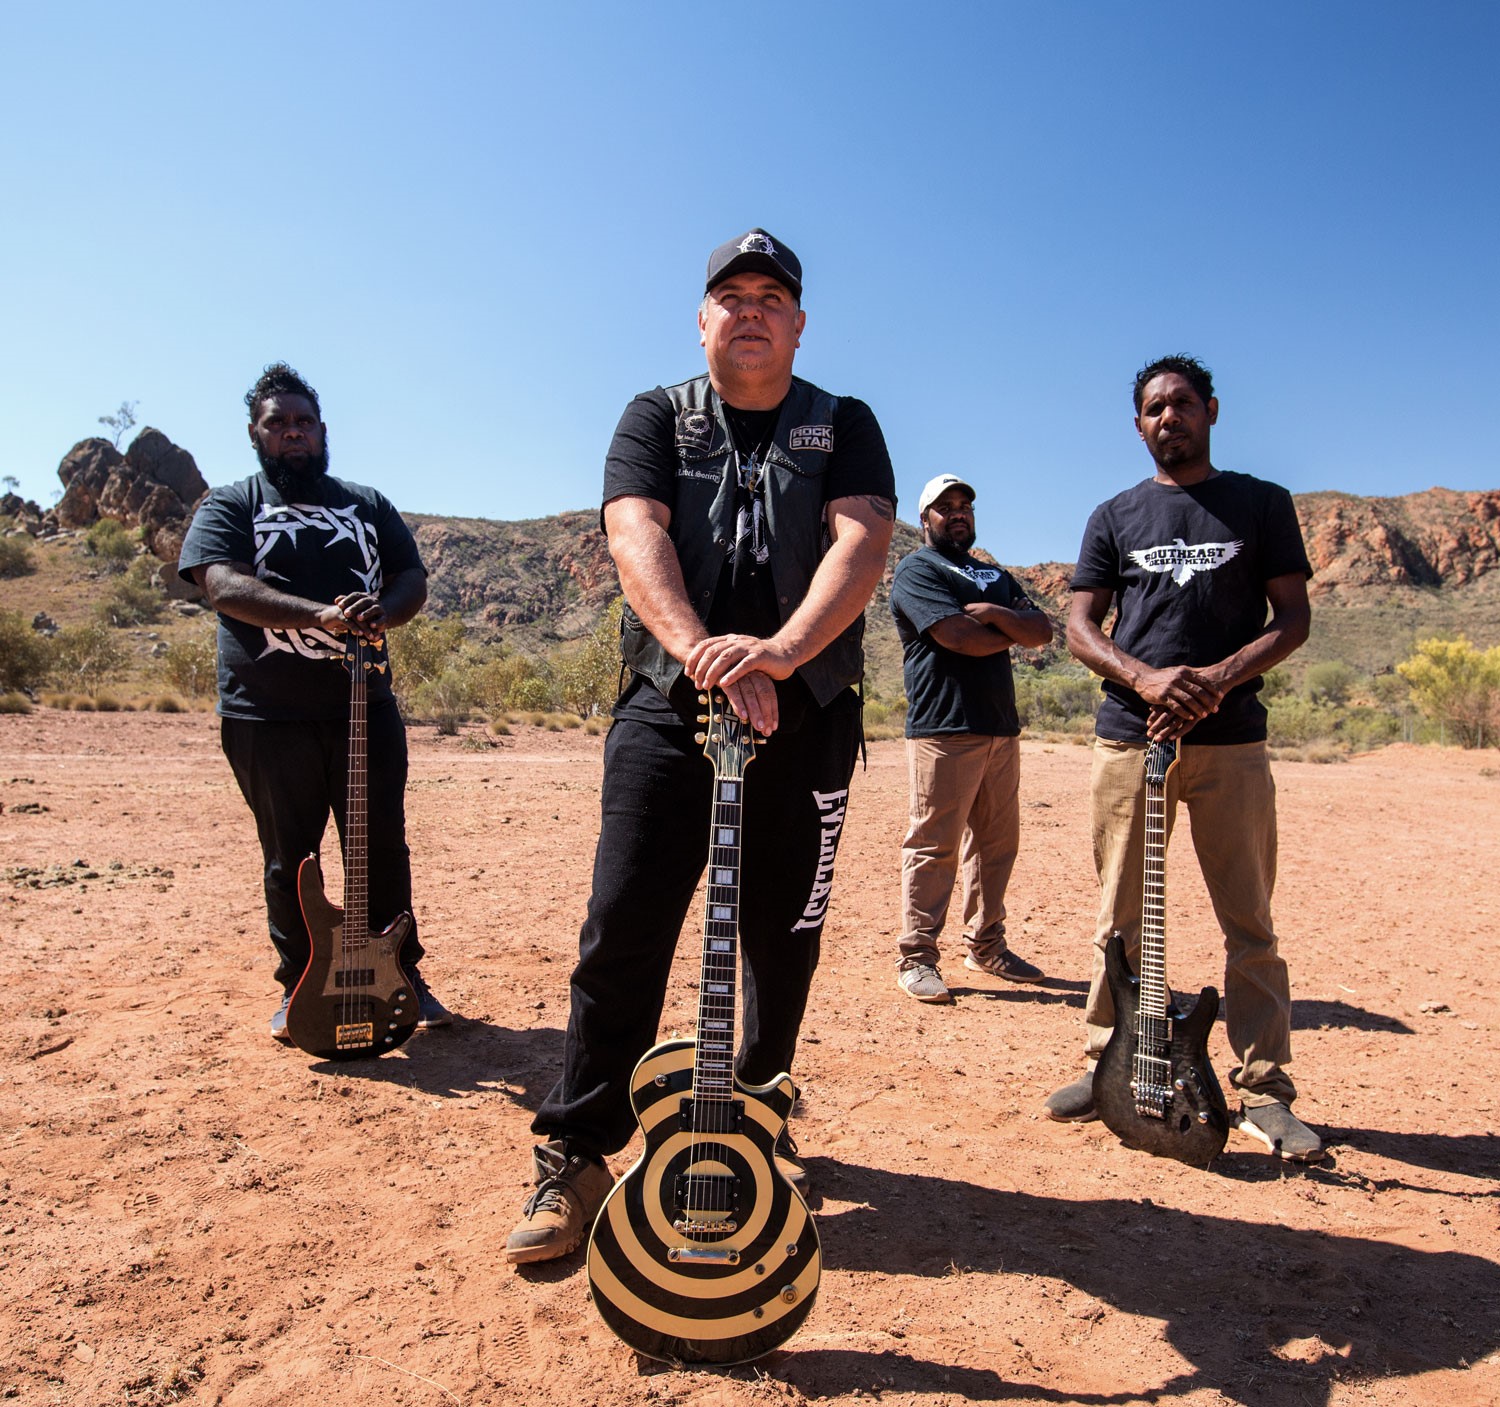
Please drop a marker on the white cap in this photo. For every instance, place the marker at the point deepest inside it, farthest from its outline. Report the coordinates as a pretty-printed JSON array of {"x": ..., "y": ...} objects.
[{"x": 935, "y": 488}]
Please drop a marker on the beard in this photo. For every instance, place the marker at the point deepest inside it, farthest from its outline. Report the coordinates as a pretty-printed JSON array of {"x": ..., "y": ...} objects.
[{"x": 300, "y": 480}]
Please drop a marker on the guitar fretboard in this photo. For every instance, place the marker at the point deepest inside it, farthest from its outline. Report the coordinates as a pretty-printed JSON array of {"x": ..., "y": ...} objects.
[
  {"x": 1153, "y": 1047},
  {"x": 713, "y": 1063},
  {"x": 357, "y": 812}
]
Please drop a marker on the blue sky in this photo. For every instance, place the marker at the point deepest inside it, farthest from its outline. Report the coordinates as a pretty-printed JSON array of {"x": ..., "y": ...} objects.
[{"x": 479, "y": 229}]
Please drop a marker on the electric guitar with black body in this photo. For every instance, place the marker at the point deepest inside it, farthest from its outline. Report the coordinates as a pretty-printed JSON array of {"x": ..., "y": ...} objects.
[
  {"x": 1154, "y": 1086},
  {"x": 703, "y": 1252},
  {"x": 354, "y": 999}
]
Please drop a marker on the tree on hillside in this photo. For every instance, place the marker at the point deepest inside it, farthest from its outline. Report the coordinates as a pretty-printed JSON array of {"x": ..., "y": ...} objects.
[
  {"x": 121, "y": 421},
  {"x": 1456, "y": 685}
]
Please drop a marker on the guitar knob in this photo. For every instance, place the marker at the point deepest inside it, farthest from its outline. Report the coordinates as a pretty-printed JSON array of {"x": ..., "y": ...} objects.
[
  {"x": 1178, "y": 1086},
  {"x": 1202, "y": 1116}
]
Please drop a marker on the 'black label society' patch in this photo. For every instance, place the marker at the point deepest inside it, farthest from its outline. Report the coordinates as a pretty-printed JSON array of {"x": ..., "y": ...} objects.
[{"x": 811, "y": 437}]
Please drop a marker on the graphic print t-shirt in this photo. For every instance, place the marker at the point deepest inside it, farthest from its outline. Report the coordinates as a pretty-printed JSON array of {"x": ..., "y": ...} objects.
[
  {"x": 947, "y": 692},
  {"x": 351, "y": 539},
  {"x": 1189, "y": 567}
]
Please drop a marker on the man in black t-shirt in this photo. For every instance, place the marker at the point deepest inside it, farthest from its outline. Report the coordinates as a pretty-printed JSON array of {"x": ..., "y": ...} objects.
[
  {"x": 1193, "y": 559},
  {"x": 292, "y": 560},
  {"x": 958, "y": 618},
  {"x": 749, "y": 513}
]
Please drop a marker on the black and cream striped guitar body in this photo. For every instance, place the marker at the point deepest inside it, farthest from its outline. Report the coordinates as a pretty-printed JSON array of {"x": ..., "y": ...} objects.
[{"x": 703, "y": 1252}]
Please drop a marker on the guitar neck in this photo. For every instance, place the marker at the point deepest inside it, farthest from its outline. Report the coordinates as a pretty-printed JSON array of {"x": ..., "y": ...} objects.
[
  {"x": 1153, "y": 961},
  {"x": 713, "y": 1062},
  {"x": 357, "y": 810}
]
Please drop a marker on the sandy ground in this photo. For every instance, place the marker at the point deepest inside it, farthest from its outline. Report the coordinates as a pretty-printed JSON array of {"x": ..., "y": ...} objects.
[{"x": 190, "y": 1212}]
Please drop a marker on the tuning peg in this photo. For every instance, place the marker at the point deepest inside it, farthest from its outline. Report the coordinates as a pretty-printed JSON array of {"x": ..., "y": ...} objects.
[
  {"x": 700, "y": 738},
  {"x": 702, "y": 718},
  {"x": 703, "y": 698}
]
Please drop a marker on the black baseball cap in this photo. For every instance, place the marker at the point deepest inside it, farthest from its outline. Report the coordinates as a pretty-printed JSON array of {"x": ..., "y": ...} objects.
[{"x": 755, "y": 250}]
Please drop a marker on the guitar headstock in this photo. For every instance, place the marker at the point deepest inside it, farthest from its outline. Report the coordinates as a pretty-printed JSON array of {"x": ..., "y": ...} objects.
[
  {"x": 729, "y": 742},
  {"x": 365, "y": 655},
  {"x": 1161, "y": 758}
]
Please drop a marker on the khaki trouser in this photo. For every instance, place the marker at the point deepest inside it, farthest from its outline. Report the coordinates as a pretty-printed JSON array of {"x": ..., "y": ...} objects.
[
  {"x": 964, "y": 790},
  {"x": 1232, "y": 801}
]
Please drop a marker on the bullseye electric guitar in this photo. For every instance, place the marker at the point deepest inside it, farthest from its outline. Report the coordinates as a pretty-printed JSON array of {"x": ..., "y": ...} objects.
[
  {"x": 355, "y": 998},
  {"x": 1154, "y": 1087},
  {"x": 703, "y": 1252}
]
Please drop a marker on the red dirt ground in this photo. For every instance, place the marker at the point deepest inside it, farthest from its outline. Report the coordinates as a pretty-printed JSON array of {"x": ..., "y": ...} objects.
[{"x": 192, "y": 1213}]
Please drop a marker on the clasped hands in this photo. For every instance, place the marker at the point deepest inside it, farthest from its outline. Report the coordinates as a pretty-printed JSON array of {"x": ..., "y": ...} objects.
[
  {"x": 357, "y": 613},
  {"x": 1179, "y": 697},
  {"x": 745, "y": 668}
]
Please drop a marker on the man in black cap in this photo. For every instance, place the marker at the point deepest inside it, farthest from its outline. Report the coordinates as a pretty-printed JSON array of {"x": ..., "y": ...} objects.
[
  {"x": 749, "y": 514},
  {"x": 958, "y": 617}
]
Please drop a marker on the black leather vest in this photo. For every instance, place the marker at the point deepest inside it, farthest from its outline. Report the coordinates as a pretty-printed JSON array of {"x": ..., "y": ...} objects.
[{"x": 702, "y": 526}]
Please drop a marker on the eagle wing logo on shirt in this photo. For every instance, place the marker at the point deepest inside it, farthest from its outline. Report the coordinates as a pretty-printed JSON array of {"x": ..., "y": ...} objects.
[{"x": 1185, "y": 562}]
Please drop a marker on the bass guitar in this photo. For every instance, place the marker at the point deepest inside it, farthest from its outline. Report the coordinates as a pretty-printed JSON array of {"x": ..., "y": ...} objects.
[
  {"x": 703, "y": 1252},
  {"x": 355, "y": 998},
  {"x": 1154, "y": 1086}
]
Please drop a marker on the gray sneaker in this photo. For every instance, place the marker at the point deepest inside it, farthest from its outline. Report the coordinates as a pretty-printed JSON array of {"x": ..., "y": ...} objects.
[
  {"x": 1074, "y": 1103},
  {"x": 1004, "y": 964},
  {"x": 922, "y": 982},
  {"x": 1282, "y": 1132}
]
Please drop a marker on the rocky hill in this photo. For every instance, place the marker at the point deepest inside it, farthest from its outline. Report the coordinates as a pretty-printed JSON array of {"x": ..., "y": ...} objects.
[{"x": 1387, "y": 570}]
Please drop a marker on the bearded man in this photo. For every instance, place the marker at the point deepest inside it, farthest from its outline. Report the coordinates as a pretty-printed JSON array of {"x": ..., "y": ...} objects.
[{"x": 293, "y": 559}]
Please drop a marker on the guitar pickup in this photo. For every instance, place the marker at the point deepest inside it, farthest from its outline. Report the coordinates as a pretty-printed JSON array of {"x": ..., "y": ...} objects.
[
  {"x": 354, "y": 977},
  {"x": 734, "y": 1109}
]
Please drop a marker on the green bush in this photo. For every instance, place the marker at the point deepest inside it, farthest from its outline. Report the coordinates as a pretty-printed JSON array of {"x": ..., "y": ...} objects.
[
  {"x": 1329, "y": 681},
  {"x": 111, "y": 543},
  {"x": 1063, "y": 698},
  {"x": 85, "y": 656},
  {"x": 15, "y": 557},
  {"x": 25, "y": 656},
  {"x": 133, "y": 600},
  {"x": 446, "y": 700},
  {"x": 192, "y": 665}
]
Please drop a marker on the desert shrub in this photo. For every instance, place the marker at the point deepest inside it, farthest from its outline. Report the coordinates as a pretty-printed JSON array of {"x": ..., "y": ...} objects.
[
  {"x": 192, "y": 665},
  {"x": 25, "y": 656},
  {"x": 14, "y": 703},
  {"x": 1329, "y": 681},
  {"x": 535, "y": 694},
  {"x": 109, "y": 703},
  {"x": 1275, "y": 682},
  {"x": 592, "y": 726},
  {"x": 1367, "y": 728},
  {"x": 15, "y": 557},
  {"x": 1295, "y": 721},
  {"x": 166, "y": 703},
  {"x": 84, "y": 656},
  {"x": 588, "y": 677},
  {"x": 446, "y": 700},
  {"x": 1458, "y": 687},
  {"x": 135, "y": 599},
  {"x": 111, "y": 543},
  {"x": 420, "y": 651},
  {"x": 1065, "y": 698}
]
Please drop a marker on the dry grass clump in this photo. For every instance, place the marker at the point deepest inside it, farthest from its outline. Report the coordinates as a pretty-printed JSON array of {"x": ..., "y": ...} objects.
[{"x": 14, "y": 702}]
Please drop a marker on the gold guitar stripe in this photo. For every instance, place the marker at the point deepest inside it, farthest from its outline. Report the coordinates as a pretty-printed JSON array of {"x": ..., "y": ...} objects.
[{"x": 676, "y": 1326}]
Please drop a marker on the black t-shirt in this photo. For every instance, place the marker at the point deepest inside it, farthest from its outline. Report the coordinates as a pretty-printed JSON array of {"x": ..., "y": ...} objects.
[
  {"x": 947, "y": 692},
  {"x": 1189, "y": 568},
  {"x": 643, "y": 462},
  {"x": 352, "y": 539}
]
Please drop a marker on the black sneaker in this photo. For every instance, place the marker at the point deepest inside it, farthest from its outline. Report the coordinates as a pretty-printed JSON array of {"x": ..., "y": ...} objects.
[
  {"x": 278, "y": 1021},
  {"x": 789, "y": 1164},
  {"x": 1074, "y": 1103},
  {"x": 430, "y": 1011}
]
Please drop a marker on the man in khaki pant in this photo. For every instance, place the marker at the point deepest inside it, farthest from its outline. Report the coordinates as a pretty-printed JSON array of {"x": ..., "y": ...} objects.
[
  {"x": 958, "y": 617},
  {"x": 1194, "y": 560}
]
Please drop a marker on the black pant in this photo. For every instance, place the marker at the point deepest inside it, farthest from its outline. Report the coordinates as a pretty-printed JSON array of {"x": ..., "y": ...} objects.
[
  {"x": 653, "y": 846},
  {"x": 295, "y": 774}
]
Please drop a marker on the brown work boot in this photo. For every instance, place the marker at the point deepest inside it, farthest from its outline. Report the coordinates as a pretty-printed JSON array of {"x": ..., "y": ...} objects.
[{"x": 561, "y": 1212}]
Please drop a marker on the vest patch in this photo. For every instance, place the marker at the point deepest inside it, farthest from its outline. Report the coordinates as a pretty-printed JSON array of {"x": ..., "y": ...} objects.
[
  {"x": 695, "y": 429},
  {"x": 811, "y": 437}
]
